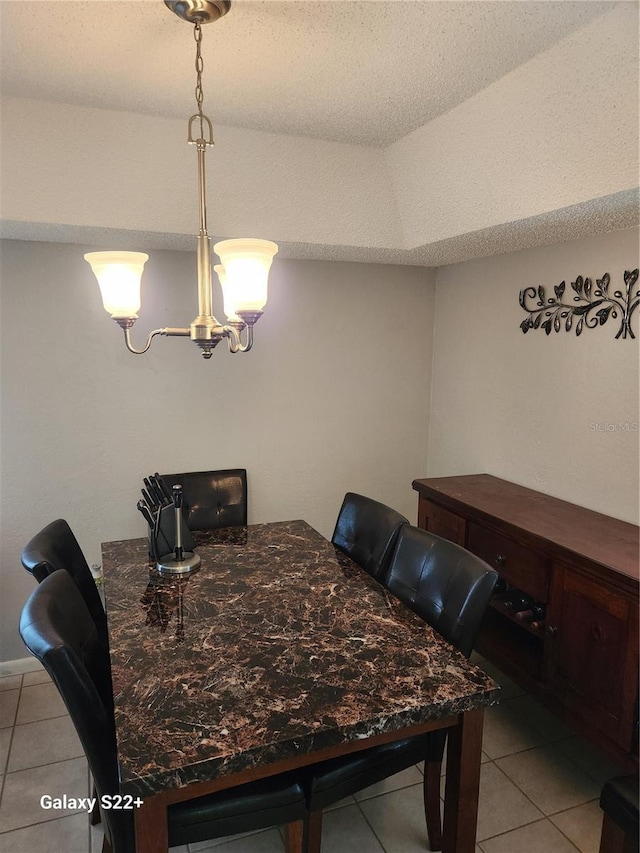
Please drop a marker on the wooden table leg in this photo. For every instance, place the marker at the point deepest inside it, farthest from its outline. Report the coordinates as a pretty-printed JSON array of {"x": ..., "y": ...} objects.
[
  {"x": 464, "y": 754},
  {"x": 152, "y": 830}
]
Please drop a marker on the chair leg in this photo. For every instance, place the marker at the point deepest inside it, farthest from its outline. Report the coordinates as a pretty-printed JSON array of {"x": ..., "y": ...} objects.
[
  {"x": 294, "y": 833},
  {"x": 312, "y": 840},
  {"x": 431, "y": 794}
]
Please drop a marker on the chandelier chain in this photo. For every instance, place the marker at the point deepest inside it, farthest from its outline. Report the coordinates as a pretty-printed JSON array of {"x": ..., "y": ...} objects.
[{"x": 197, "y": 34}]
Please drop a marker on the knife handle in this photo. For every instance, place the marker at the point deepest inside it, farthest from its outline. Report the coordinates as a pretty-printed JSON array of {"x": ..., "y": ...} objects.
[
  {"x": 152, "y": 503},
  {"x": 163, "y": 487}
]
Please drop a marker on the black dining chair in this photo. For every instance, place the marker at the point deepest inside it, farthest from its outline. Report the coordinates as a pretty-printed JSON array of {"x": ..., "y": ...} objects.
[
  {"x": 367, "y": 531},
  {"x": 212, "y": 499},
  {"x": 57, "y": 629},
  {"x": 450, "y": 588},
  {"x": 55, "y": 547}
]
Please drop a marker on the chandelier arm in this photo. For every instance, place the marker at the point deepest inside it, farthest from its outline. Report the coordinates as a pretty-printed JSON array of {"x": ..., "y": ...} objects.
[
  {"x": 234, "y": 338},
  {"x": 126, "y": 327}
]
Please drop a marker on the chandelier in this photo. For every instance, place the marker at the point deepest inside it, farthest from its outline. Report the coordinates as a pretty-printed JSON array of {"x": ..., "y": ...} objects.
[{"x": 244, "y": 263}]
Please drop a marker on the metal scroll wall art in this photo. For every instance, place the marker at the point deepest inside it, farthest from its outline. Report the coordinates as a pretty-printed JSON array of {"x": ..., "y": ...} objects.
[{"x": 590, "y": 306}]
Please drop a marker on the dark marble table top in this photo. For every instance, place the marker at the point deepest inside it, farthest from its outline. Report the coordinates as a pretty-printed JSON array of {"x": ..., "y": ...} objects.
[{"x": 278, "y": 644}]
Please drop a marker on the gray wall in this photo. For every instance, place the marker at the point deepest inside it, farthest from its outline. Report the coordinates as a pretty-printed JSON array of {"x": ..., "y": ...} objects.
[
  {"x": 559, "y": 413},
  {"x": 333, "y": 397}
]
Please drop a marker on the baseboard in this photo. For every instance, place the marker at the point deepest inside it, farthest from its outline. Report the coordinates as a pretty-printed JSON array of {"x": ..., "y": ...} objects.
[{"x": 20, "y": 666}]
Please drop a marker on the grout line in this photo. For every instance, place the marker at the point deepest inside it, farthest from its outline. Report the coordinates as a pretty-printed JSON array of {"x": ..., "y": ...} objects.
[
  {"x": 47, "y": 763},
  {"x": 530, "y": 823},
  {"x": 43, "y": 720},
  {"x": 565, "y": 836},
  {"x": 47, "y": 820},
  {"x": 373, "y": 832}
]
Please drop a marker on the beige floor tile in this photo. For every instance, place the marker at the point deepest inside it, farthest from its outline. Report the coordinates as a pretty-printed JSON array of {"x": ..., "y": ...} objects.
[
  {"x": 594, "y": 764},
  {"x": 215, "y": 843},
  {"x": 40, "y": 676},
  {"x": 398, "y": 821},
  {"x": 268, "y": 841},
  {"x": 8, "y": 707},
  {"x": 19, "y": 667},
  {"x": 506, "y": 733},
  {"x": 10, "y": 682},
  {"x": 539, "y": 837},
  {"x": 347, "y": 831},
  {"x": 20, "y": 804},
  {"x": 549, "y": 779},
  {"x": 40, "y": 702},
  {"x": 347, "y": 801},
  {"x": 501, "y": 805},
  {"x": 538, "y": 718},
  {"x": 64, "y": 835},
  {"x": 410, "y": 776},
  {"x": 582, "y": 825},
  {"x": 43, "y": 742},
  {"x": 96, "y": 834}
]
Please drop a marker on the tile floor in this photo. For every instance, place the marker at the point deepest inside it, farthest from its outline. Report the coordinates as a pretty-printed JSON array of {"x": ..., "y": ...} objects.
[{"x": 539, "y": 786}]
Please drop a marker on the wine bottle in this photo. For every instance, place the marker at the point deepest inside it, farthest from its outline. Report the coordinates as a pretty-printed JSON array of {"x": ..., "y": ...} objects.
[{"x": 536, "y": 612}]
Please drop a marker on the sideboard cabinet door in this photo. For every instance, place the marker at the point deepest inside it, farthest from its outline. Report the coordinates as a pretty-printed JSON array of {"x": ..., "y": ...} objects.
[{"x": 593, "y": 659}]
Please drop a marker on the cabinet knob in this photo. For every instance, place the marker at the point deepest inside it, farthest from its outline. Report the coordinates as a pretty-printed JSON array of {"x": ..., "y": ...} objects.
[
  {"x": 551, "y": 630},
  {"x": 499, "y": 559}
]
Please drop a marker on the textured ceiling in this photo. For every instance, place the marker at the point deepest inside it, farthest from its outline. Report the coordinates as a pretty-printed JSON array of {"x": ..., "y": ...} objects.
[{"x": 361, "y": 71}]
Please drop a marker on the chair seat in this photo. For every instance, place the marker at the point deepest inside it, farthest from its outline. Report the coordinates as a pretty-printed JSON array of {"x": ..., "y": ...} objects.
[
  {"x": 619, "y": 800},
  {"x": 255, "y": 805},
  {"x": 332, "y": 780}
]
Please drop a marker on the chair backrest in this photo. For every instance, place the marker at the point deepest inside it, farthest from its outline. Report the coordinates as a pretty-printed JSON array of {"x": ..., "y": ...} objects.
[
  {"x": 448, "y": 586},
  {"x": 57, "y": 628},
  {"x": 55, "y": 547},
  {"x": 212, "y": 498},
  {"x": 367, "y": 531}
]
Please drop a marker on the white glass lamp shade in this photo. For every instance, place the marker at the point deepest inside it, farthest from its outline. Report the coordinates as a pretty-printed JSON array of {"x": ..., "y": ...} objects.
[
  {"x": 119, "y": 275},
  {"x": 246, "y": 266},
  {"x": 227, "y": 295}
]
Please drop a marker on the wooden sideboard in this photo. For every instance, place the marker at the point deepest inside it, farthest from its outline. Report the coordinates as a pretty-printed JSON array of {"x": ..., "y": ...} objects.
[{"x": 582, "y": 663}]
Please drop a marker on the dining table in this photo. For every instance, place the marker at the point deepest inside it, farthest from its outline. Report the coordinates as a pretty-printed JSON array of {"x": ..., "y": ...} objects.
[{"x": 277, "y": 652}]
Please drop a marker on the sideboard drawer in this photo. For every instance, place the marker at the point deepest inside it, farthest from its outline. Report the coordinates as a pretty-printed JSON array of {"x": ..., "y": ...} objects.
[{"x": 519, "y": 566}]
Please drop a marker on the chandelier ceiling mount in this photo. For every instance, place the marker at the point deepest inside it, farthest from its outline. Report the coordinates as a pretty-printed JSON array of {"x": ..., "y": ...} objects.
[{"x": 199, "y": 11}]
